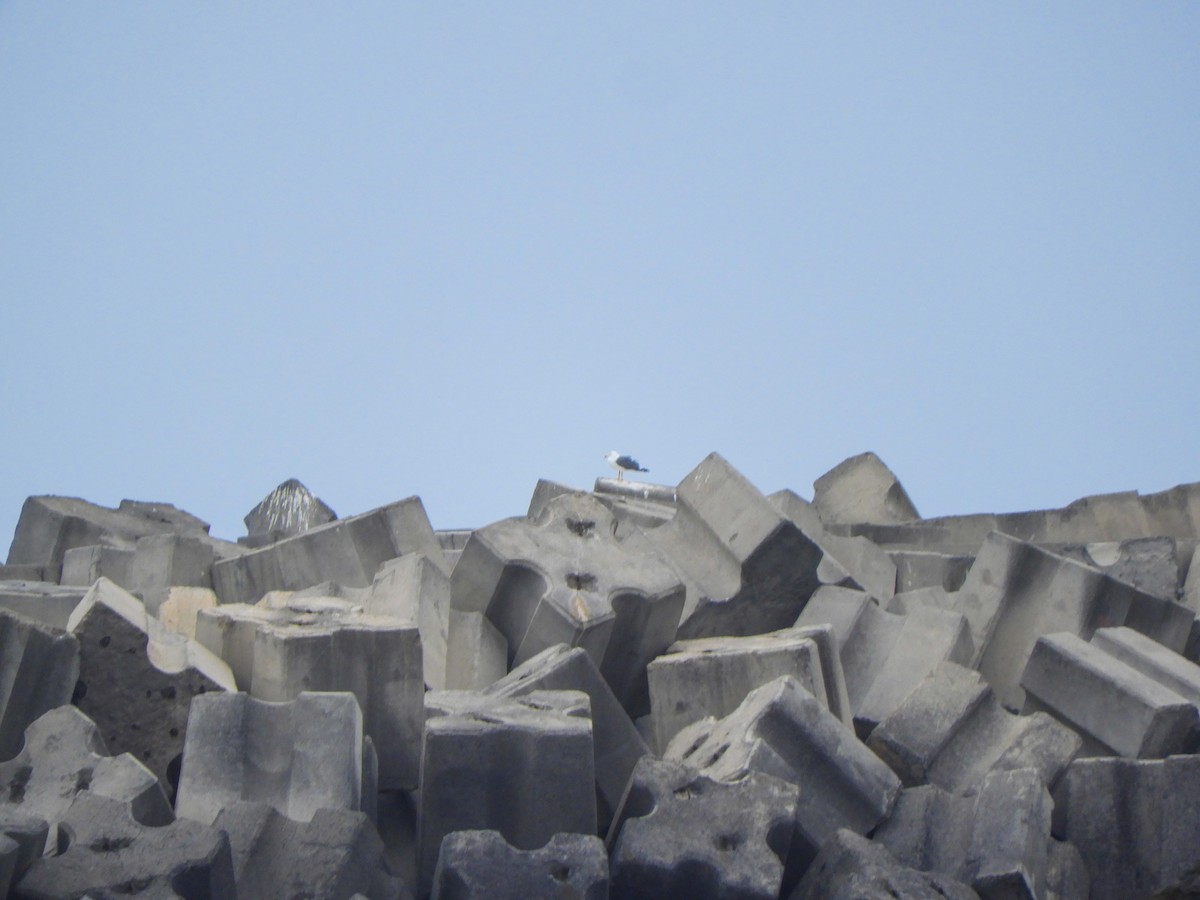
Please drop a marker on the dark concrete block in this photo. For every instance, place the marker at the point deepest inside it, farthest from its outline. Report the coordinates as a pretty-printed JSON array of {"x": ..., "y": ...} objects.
[
  {"x": 39, "y": 666},
  {"x": 482, "y": 865}
]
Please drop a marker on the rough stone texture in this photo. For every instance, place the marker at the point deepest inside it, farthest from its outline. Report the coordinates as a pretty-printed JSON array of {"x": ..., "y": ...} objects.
[
  {"x": 287, "y": 511},
  {"x": 617, "y": 745},
  {"x": 64, "y": 755},
  {"x": 1116, "y": 707},
  {"x": 335, "y": 854},
  {"x": 850, "y": 867},
  {"x": 680, "y": 834},
  {"x": 1151, "y": 565},
  {"x": 38, "y": 669},
  {"x": 347, "y": 551},
  {"x": 417, "y": 588},
  {"x": 782, "y": 730},
  {"x": 41, "y": 601},
  {"x": 1016, "y": 592},
  {"x": 298, "y": 757},
  {"x": 521, "y": 766},
  {"x": 951, "y": 731},
  {"x": 712, "y": 676},
  {"x": 567, "y": 578},
  {"x": 83, "y": 565},
  {"x": 137, "y": 679},
  {"x": 749, "y": 569},
  {"x": 1152, "y": 659},
  {"x": 326, "y": 644},
  {"x": 482, "y": 865},
  {"x": 1135, "y": 823},
  {"x": 862, "y": 489},
  {"x": 110, "y": 854},
  {"x": 180, "y": 606}
]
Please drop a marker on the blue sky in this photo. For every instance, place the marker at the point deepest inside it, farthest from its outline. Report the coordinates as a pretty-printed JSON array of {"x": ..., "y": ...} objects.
[{"x": 448, "y": 249}]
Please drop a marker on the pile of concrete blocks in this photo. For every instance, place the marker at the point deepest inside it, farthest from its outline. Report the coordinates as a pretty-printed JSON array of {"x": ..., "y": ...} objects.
[{"x": 642, "y": 690}]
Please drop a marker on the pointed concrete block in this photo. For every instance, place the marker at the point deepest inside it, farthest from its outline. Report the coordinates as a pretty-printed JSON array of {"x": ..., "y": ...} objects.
[
  {"x": 862, "y": 489},
  {"x": 38, "y": 669},
  {"x": 287, "y": 511}
]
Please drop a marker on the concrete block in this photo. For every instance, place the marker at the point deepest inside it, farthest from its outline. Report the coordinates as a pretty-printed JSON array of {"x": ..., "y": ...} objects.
[
  {"x": 1017, "y": 592},
  {"x": 1152, "y": 565},
  {"x": 287, "y": 511},
  {"x": 41, "y": 601},
  {"x": 137, "y": 679},
  {"x": 952, "y": 731},
  {"x": 335, "y": 854},
  {"x": 162, "y": 561},
  {"x": 64, "y": 755},
  {"x": 1116, "y": 708},
  {"x": 50, "y": 573},
  {"x": 782, "y": 730},
  {"x": 617, "y": 745},
  {"x": 476, "y": 652},
  {"x": 917, "y": 569},
  {"x": 712, "y": 676},
  {"x": 297, "y": 756},
  {"x": 680, "y": 834},
  {"x": 749, "y": 569},
  {"x": 109, "y": 854},
  {"x": 850, "y": 867},
  {"x": 38, "y": 669},
  {"x": 566, "y": 578},
  {"x": 347, "y": 551},
  {"x": 415, "y": 587},
  {"x": 323, "y": 644},
  {"x": 521, "y": 766},
  {"x": 83, "y": 565},
  {"x": 1152, "y": 659},
  {"x": 181, "y": 605},
  {"x": 862, "y": 489},
  {"x": 482, "y": 865},
  {"x": 22, "y": 840}
]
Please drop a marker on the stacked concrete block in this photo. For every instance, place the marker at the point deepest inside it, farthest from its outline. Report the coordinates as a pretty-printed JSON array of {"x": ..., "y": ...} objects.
[
  {"x": 1016, "y": 592},
  {"x": 749, "y": 568},
  {"x": 83, "y": 565},
  {"x": 180, "y": 606},
  {"x": 782, "y": 730},
  {"x": 1152, "y": 565},
  {"x": 476, "y": 651},
  {"x": 163, "y": 561},
  {"x": 325, "y": 644},
  {"x": 850, "y": 867},
  {"x": 287, "y": 511},
  {"x": 41, "y": 601},
  {"x": 38, "y": 669},
  {"x": 1152, "y": 659},
  {"x": 1114, "y": 706},
  {"x": 917, "y": 569},
  {"x": 22, "y": 841},
  {"x": 1135, "y": 823},
  {"x": 64, "y": 755},
  {"x": 617, "y": 745},
  {"x": 566, "y": 578},
  {"x": 712, "y": 676},
  {"x": 951, "y": 731},
  {"x": 336, "y": 853},
  {"x": 417, "y": 588},
  {"x": 347, "y": 551},
  {"x": 862, "y": 489},
  {"x": 137, "y": 679},
  {"x": 110, "y": 854},
  {"x": 521, "y": 766},
  {"x": 886, "y": 655},
  {"x": 681, "y": 834},
  {"x": 482, "y": 865},
  {"x": 298, "y": 757}
]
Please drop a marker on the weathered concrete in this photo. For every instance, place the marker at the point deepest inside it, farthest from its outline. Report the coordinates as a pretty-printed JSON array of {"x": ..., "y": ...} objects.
[
  {"x": 287, "y": 511},
  {"x": 137, "y": 679},
  {"x": 325, "y": 644},
  {"x": 566, "y": 578},
  {"x": 521, "y": 766},
  {"x": 298, "y": 756},
  {"x": 916, "y": 569},
  {"x": 83, "y": 565},
  {"x": 850, "y": 867},
  {"x": 782, "y": 730},
  {"x": 180, "y": 606},
  {"x": 482, "y": 865},
  {"x": 1115, "y": 707},
  {"x": 64, "y": 755},
  {"x": 110, "y": 854},
  {"x": 476, "y": 651},
  {"x": 41, "y": 601},
  {"x": 38, "y": 669},
  {"x": 617, "y": 745},
  {"x": 1152, "y": 659},
  {"x": 335, "y": 854},
  {"x": 347, "y": 551},
  {"x": 862, "y": 489},
  {"x": 417, "y": 588},
  {"x": 22, "y": 840},
  {"x": 1152, "y": 565},
  {"x": 952, "y": 731},
  {"x": 712, "y": 676},
  {"x": 1016, "y": 592}
]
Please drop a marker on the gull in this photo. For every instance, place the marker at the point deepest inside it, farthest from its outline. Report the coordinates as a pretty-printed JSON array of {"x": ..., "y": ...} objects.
[{"x": 622, "y": 464}]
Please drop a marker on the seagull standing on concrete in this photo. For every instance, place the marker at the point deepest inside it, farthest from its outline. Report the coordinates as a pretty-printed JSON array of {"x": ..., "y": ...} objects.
[{"x": 622, "y": 464}]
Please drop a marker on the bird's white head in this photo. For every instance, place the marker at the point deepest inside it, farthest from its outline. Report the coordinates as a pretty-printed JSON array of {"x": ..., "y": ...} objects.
[{"x": 611, "y": 456}]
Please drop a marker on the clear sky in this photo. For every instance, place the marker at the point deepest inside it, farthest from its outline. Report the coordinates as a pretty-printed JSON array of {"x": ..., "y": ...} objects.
[{"x": 447, "y": 249}]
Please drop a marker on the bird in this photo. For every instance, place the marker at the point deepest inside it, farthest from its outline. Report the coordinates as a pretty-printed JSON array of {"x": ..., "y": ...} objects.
[{"x": 623, "y": 464}]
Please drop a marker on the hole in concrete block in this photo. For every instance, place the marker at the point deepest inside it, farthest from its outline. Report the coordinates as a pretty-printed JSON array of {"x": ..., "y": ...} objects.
[
  {"x": 726, "y": 842},
  {"x": 168, "y": 693},
  {"x": 581, "y": 581},
  {"x": 720, "y": 751},
  {"x": 581, "y": 527},
  {"x": 560, "y": 871},
  {"x": 688, "y": 791},
  {"x": 106, "y": 640},
  {"x": 173, "y": 770},
  {"x": 80, "y": 691},
  {"x": 83, "y": 780},
  {"x": 16, "y": 787},
  {"x": 109, "y": 845}
]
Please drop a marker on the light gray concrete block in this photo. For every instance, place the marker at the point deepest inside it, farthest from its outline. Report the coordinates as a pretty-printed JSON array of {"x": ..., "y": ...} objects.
[
  {"x": 298, "y": 756},
  {"x": 521, "y": 766},
  {"x": 38, "y": 669},
  {"x": 482, "y": 865},
  {"x": 862, "y": 489},
  {"x": 41, "y": 601},
  {"x": 1117, "y": 707},
  {"x": 916, "y": 569},
  {"x": 476, "y": 651},
  {"x": 681, "y": 834},
  {"x": 137, "y": 679},
  {"x": 83, "y": 565},
  {"x": 1152, "y": 659},
  {"x": 415, "y": 587},
  {"x": 110, "y": 855}
]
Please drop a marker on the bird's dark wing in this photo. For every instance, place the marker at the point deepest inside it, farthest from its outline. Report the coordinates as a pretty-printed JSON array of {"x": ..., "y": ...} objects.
[{"x": 628, "y": 462}]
